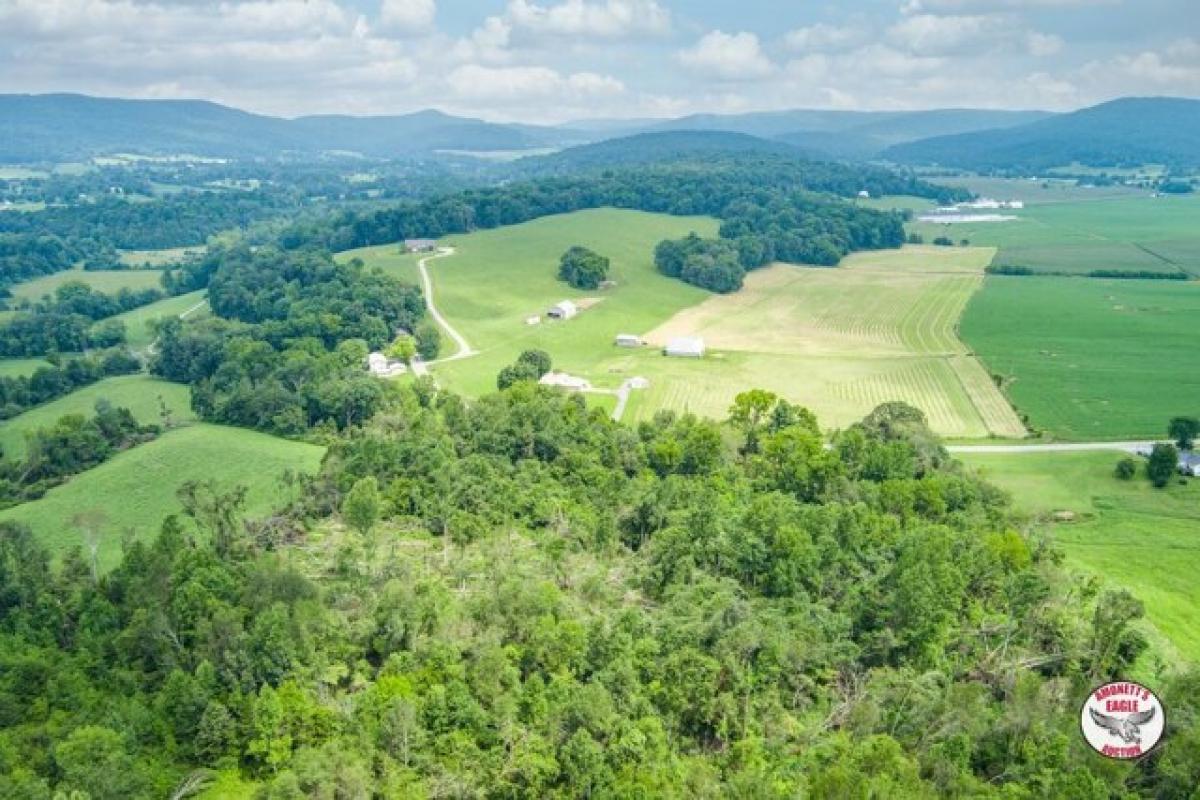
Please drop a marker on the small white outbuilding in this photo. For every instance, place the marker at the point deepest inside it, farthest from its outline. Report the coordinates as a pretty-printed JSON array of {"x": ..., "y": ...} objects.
[
  {"x": 628, "y": 340},
  {"x": 562, "y": 380},
  {"x": 381, "y": 366},
  {"x": 685, "y": 347},
  {"x": 564, "y": 309}
]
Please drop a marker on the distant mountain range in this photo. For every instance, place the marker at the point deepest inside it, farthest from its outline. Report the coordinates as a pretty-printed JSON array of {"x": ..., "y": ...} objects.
[
  {"x": 1125, "y": 132},
  {"x": 66, "y": 127}
]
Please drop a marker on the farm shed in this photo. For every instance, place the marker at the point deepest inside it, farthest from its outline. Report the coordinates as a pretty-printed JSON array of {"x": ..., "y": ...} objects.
[
  {"x": 564, "y": 309},
  {"x": 1189, "y": 464},
  {"x": 562, "y": 380},
  {"x": 420, "y": 245},
  {"x": 685, "y": 347},
  {"x": 628, "y": 340}
]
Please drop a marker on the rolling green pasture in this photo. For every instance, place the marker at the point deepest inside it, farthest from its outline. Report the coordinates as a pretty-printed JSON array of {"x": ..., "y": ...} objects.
[
  {"x": 499, "y": 277},
  {"x": 1090, "y": 359},
  {"x": 1126, "y": 532},
  {"x": 138, "y": 393},
  {"x": 18, "y": 367},
  {"x": 1156, "y": 234},
  {"x": 108, "y": 281},
  {"x": 881, "y": 327},
  {"x": 138, "y": 332},
  {"x": 896, "y": 202},
  {"x": 391, "y": 259},
  {"x": 136, "y": 489}
]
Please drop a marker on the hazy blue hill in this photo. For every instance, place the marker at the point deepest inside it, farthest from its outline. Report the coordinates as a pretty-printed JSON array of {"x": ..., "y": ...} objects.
[
  {"x": 656, "y": 147},
  {"x": 1129, "y": 131},
  {"x": 69, "y": 126},
  {"x": 63, "y": 127}
]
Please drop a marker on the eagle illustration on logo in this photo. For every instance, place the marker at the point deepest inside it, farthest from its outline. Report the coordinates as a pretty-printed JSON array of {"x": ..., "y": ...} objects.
[
  {"x": 1122, "y": 720},
  {"x": 1129, "y": 727}
]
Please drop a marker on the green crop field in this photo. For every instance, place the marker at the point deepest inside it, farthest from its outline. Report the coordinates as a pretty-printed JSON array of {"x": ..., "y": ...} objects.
[
  {"x": 136, "y": 489},
  {"x": 1031, "y": 191},
  {"x": 1154, "y": 234},
  {"x": 840, "y": 341},
  {"x": 17, "y": 367},
  {"x": 109, "y": 281},
  {"x": 880, "y": 327},
  {"x": 138, "y": 332},
  {"x": 138, "y": 393},
  {"x": 1126, "y": 532},
  {"x": 1090, "y": 359}
]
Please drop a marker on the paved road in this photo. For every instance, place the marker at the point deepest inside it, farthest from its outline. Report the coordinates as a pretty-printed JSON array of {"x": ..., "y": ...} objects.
[
  {"x": 1055, "y": 447},
  {"x": 464, "y": 347}
]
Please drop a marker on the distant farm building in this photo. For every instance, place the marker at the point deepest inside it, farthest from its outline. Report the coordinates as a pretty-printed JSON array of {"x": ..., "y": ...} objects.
[
  {"x": 563, "y": 310},
  {"x": 638, "y": 382},
  {"x": 561, "y": 380},
  {"x": 685, "y": 347},
  {"x": 381, "y": 366},
  {"x": 864, "y": 194},
  {"x": 536, "y": 319},
  {"x": 628, "y": 340},
  {"x": 1189, "y": 464},
  {"x": 420, "y": 245}
]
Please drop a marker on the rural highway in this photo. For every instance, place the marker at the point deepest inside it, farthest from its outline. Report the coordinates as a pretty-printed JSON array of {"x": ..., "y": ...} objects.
[
  {"x": 464, "y": 347},
  {"x": 1050, "y": 447}
]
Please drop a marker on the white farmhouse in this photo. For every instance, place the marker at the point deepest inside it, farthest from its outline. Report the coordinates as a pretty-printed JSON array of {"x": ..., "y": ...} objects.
[
  {"x": 563, "y": 309},
  {"x": 685, "y": 347},
  {"x": 381, "y": 366}
]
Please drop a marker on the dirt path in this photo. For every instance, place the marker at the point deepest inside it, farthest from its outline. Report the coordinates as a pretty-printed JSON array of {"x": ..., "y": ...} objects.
[{"x": 464, "y": 347}]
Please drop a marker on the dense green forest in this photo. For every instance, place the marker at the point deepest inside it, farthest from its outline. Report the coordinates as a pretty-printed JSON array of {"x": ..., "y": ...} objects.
[{"x": 520, "y": 598}]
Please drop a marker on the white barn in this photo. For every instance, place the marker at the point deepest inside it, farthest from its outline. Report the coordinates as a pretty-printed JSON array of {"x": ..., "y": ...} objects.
[
  {"x": 685, "y": 347},
  {"x": 563, "y": 309},
  {"x": 562, "y": 380},
  {"x": 628, "y": 340}
]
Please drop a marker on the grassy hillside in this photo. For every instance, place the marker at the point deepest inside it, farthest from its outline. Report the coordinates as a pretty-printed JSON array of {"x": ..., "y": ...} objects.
[
  {"x": 137, "y": 322},
  {"x": 138, "y": 393},
  {"x": 1157, "y": 234},
  {"x": 840, "y": 341},
  {"x": 500, "y": 277},
  {"x": 110, "y": 281},
  {"x": 1126, "y": 532},
  {"x": 16, "y": 367},
  {"x": 1090, "y": 359},
  {"x": 136, "y": 489}
]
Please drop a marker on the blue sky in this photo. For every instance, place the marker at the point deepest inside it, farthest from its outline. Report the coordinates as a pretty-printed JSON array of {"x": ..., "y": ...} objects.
[{"x": 555, "y": 60}]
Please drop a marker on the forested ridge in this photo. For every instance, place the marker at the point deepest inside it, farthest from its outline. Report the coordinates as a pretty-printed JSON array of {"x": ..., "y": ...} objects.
[
  {"x": 520, "y": 598},
  {"x": 771, "y": 207}
]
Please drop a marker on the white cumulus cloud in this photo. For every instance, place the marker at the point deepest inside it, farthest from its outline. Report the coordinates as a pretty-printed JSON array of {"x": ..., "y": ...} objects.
[
  {"x": 407, "y": 15},
  {"x": 607, "y": 19},
  {"x": 728, "y": 56}
]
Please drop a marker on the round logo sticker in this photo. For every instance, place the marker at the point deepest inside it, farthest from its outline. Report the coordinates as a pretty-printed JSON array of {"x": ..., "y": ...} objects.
[{"x": 1122, "y": 720}]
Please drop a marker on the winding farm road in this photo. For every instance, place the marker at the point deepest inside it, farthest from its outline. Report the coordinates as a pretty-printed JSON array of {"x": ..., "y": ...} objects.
[{"x": 464, "y": 347}]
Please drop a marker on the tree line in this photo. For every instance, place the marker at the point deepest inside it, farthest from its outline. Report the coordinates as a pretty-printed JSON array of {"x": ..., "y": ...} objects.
[{"x": 19, "y": 393}]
